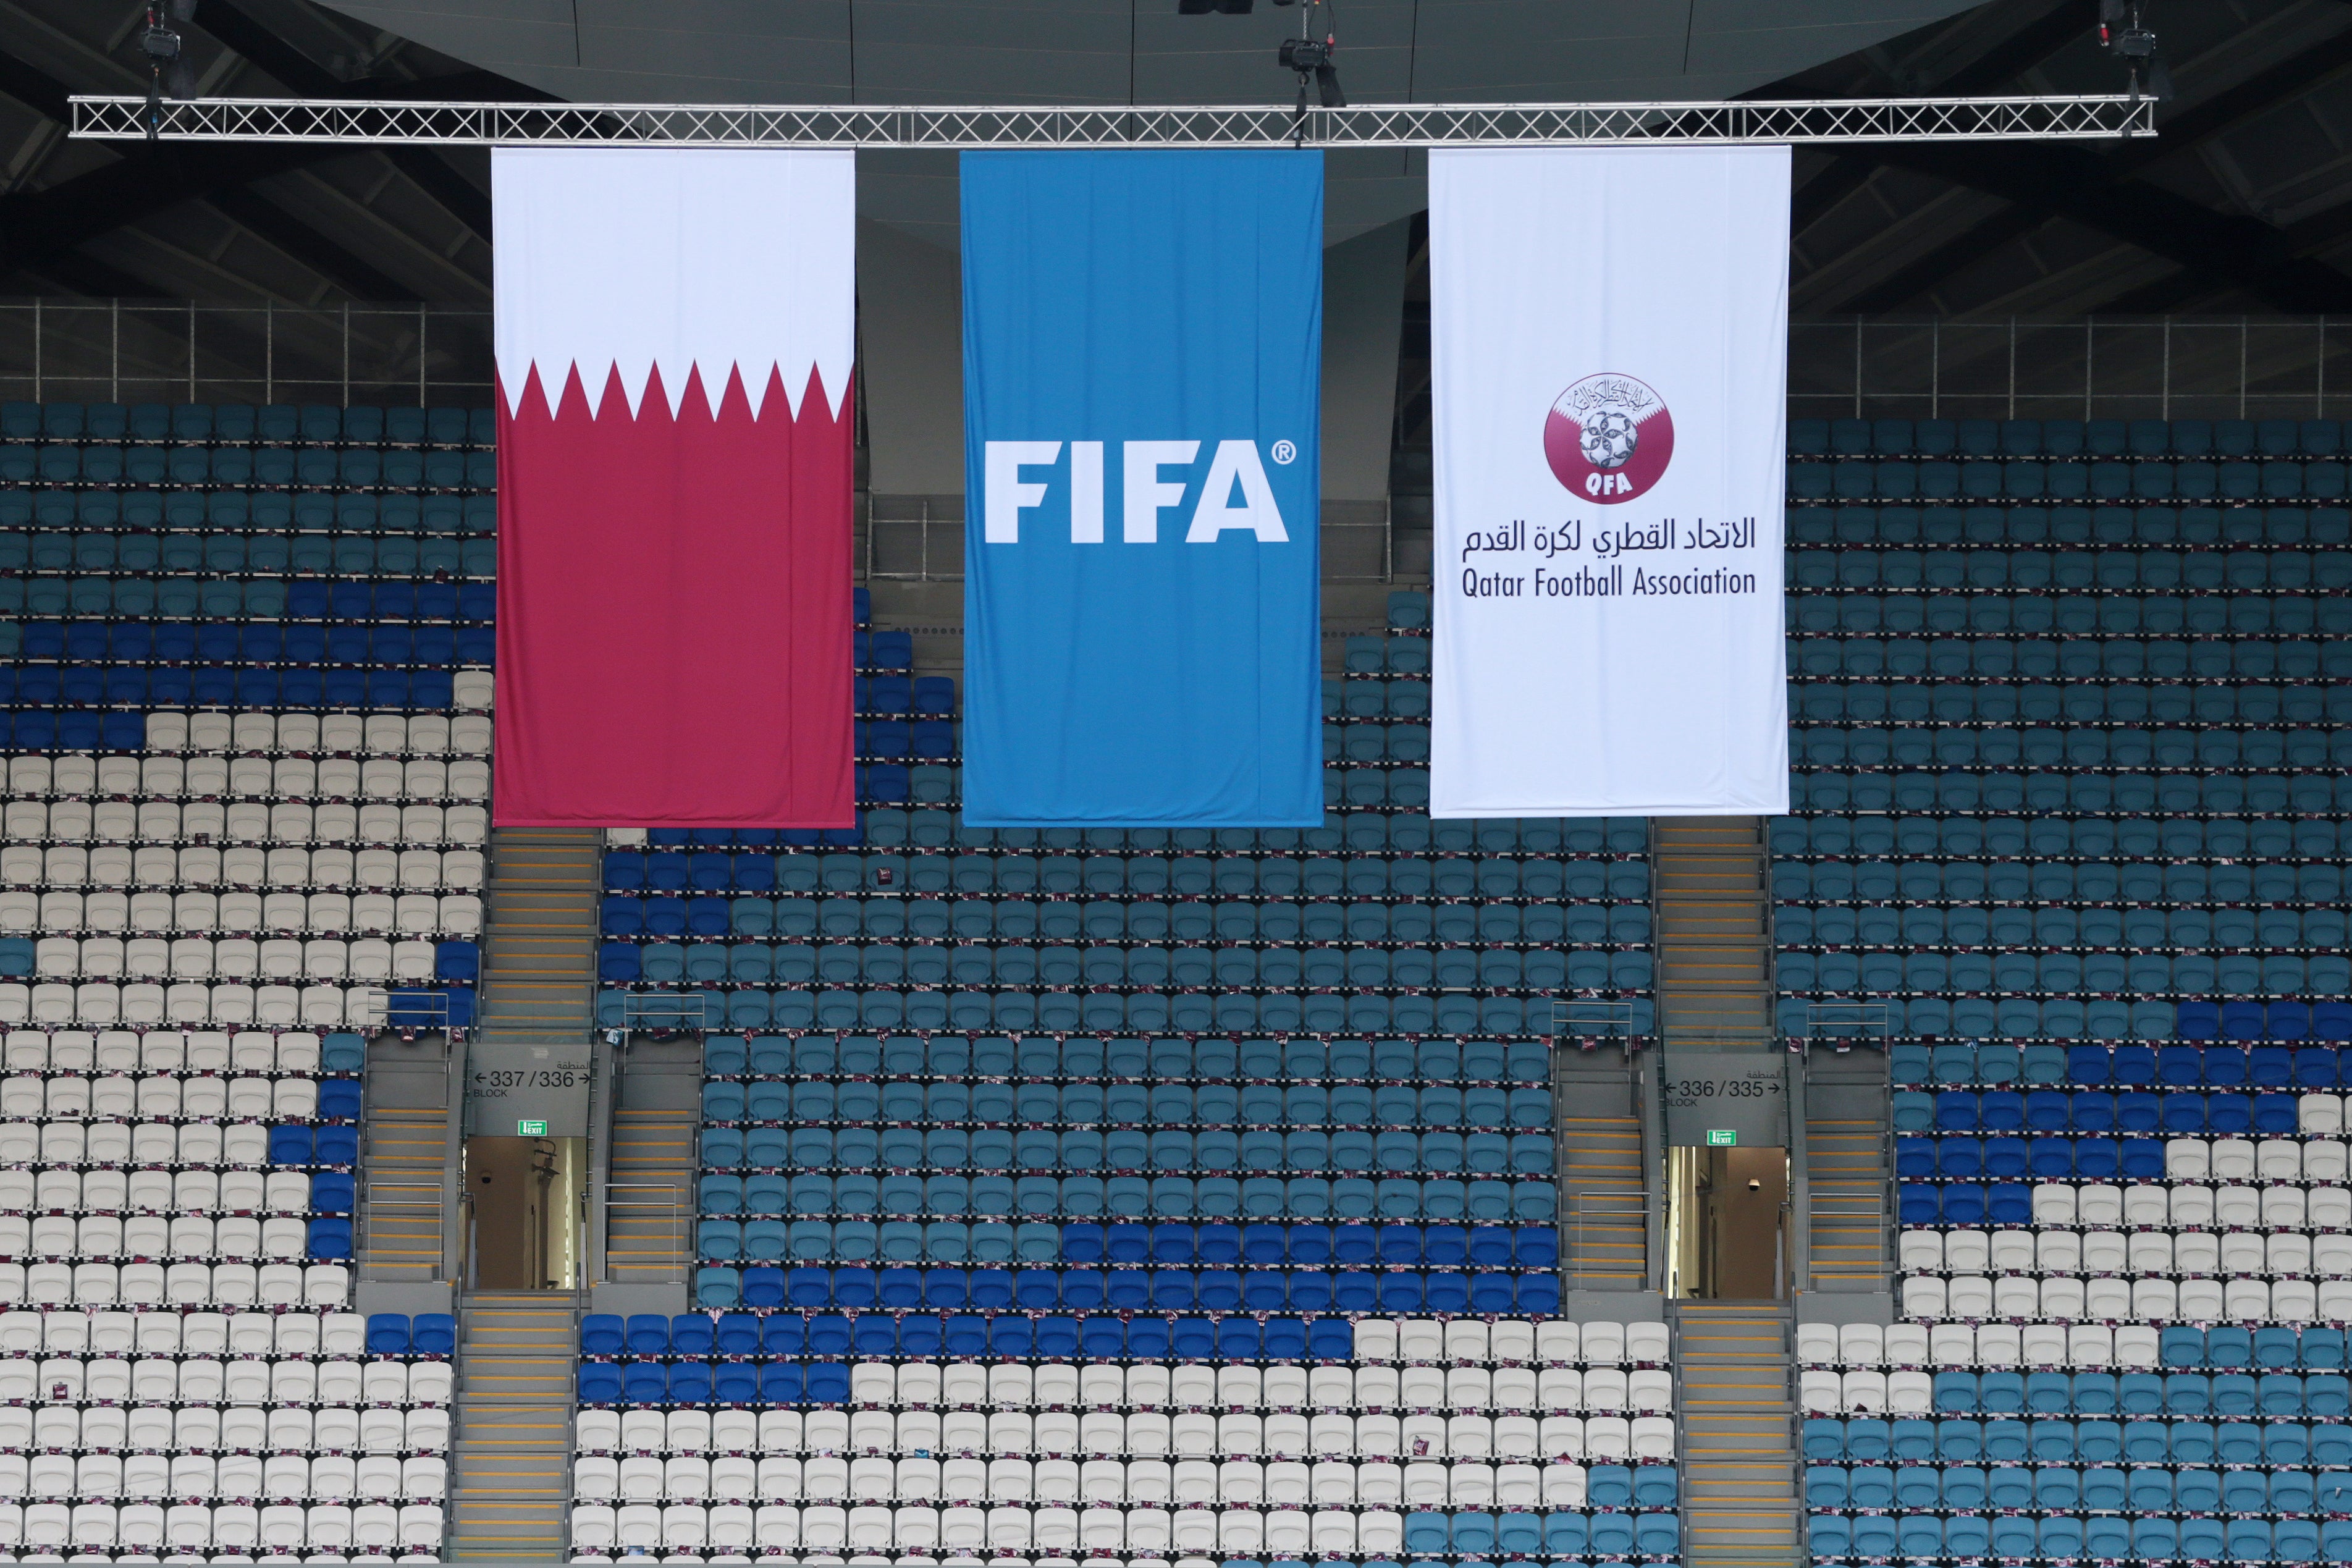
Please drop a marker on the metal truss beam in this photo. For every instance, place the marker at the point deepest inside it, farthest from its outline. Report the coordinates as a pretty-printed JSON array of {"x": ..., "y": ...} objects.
[{"x": 1846, "y": 121}]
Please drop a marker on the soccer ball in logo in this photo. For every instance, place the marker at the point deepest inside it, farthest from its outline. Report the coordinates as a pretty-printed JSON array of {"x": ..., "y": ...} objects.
[{"x": 1609, "y": 437}]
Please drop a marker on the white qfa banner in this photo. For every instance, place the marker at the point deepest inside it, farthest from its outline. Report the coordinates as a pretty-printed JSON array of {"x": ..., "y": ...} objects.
[{"x": 1609, "y": 327}]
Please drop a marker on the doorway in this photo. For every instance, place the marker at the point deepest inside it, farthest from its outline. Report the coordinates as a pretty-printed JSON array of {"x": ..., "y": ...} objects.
[
  {"x": 523, "y": 1220},
  {"x": 1728, "y": 1224}
]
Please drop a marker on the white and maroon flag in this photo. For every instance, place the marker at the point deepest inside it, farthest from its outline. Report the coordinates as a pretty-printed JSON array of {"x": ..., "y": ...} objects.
[
  {"x": 1608, "y": 332},
  {"x": 675, "y": 339}
]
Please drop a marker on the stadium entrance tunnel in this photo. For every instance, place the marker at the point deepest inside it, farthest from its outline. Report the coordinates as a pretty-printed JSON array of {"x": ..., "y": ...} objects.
[
  {"x": 1728, "y": 1224},
  {"x": 523, "y": 1199}
]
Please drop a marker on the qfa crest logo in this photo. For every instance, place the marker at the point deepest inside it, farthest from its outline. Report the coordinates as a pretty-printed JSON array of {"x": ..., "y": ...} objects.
[{"x": 1609, "y": 437}]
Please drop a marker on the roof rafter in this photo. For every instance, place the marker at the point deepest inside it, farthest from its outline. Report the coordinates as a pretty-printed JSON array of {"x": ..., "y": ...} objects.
[{"x": 2182, "y": 132}]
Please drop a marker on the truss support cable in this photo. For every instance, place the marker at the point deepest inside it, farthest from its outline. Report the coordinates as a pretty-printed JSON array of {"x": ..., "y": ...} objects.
[{"x": 2036, "y": 119}]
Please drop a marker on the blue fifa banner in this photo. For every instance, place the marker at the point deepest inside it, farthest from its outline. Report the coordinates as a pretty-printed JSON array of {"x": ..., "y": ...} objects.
[{"x": 1142, "y": 341}]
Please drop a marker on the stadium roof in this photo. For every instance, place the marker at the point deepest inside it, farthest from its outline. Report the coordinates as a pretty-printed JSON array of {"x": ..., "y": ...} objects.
[{"x": 2239, "y": 204}]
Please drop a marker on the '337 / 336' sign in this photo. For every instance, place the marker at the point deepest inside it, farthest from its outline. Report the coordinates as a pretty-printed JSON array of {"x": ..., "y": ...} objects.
[{"x": 1708, "y": 1093}]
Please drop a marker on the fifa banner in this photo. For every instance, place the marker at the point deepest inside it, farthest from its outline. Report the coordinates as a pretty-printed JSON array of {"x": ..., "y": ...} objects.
[
  {"x": 675, "y": 328},
  {"x": 1142, "y": 348},
  {"x": 1609, "y": 331}
]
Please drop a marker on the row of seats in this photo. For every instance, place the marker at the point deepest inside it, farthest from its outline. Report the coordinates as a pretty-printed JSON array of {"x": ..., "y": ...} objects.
[
  {"x": 1367, "y": 1342},
  {"x": 2029, "y": 572},
  {"x": 353, "y": 467},
  {"x": 174, "y": 741},
  {"x": 63, "y": 1332},
  {"x": 748, "y": 1007},
  {"x": 334, "y": 1055},
  {"x": 1191, "y": 1483},
  {"x": 276, "y": 958},
  {"x": 2109, "y": 1297},
  {"x": 2094, "y": 1111},
  {"x": 1933, "y": 643},
  {"x": 952, "y": 1289},
  {"x": 1869, "y": 1439},
  {"x": 2027, "y": 480},
  {"x": 982, "y": 1147},
  {"x": 174, "y": 525},
  {"x": 154, "y": 913},
  {"x": 257, "y": 643},
  {"x": 1487, "y": 877},
  {"x": 1259, "y": 1246},
  {"x": 2046, "y": 1346},
  {"x": 2069, "y": 437},
  {"x": 889, "y": 917},
  {"x": 2065, "y": 1536},
  {"x": 212, "y": 600},
  {"x": 318, "y": 1286},
  {"x": 310, "y": 423},
  {"x": 188, "y": 1004},
  {"x": 1966, "y": 1063},
  {"x": 2108, "y": 525},
  {"x": 2170, "y": 838},
  {"x": 823, "y": 1529},
  {"x": 249, "y": 1478},
  {"x": 1486, "y": 1201},
  {"x": 2094, "y": 1159},
  {"x": 1099, "y": 1107},
  {"x": 241, "y": 866},
  {"x": 2322, "y": 1396},
  {"x": 1461, "y": 1063},
  {"x": 2211, "y": 792}
]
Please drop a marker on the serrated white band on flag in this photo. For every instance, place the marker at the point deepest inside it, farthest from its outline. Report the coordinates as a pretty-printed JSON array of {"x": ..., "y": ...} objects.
[
  {"x": 1609, "y": 337},
  {"x": 683, "y": 259}
]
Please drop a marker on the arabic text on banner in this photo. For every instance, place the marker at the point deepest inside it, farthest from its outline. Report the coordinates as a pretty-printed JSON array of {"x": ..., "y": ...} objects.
[{"x": 1609, "y": 331}]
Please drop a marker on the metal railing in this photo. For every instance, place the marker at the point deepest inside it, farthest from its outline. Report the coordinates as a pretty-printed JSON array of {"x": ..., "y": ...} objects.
[
  {"x": 1846, "y": 1021},
  {"x": 663, "y": 1010},
  {"x": 145, "y": 351},
  {"x": 653, "y": 1209},
  {"x": 1617, "y": 1212},
  {"x": 412, "y": 1208},
  {"x": 2036, "y": 118}
]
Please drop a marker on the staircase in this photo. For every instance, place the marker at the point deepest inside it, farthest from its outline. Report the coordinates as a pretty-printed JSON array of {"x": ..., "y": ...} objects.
[
  {"x": 403, "y": 1168},
  {"x": 1605, "y": 1222},
  {"x": 513, "y": 1459},
  {"x": 539, "y": 970},
  {"x": 1846, "y": 1129},
  {"x": 649, "y": 1218},
  {"x": 1714, "y": 937},
  {"x": 1739, "y": 1459}
]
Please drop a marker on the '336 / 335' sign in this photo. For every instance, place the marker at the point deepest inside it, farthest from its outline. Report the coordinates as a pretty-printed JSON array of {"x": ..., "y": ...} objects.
[{"x": 1742, "y": 1092}]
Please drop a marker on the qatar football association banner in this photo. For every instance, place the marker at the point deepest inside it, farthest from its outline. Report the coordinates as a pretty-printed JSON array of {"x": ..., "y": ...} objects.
[
  {"x": 1143, "y": 346},
  {"x": 1609, "y": 332},
  {"x": 674, "y": 346}
]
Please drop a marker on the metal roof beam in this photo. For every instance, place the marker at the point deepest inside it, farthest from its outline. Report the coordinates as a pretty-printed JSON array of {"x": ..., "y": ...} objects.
[
  {"x": 2183, "y": 130},
  {"x": 354, "y": 122}
]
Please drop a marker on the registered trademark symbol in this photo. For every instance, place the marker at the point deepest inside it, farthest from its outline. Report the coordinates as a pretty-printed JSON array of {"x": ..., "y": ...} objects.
[{"x": 1284, "y": 452}]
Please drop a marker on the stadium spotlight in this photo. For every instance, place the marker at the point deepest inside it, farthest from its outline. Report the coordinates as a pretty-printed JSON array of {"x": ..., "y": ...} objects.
[
  {"x": 2124, "y": 33},
  {"x": 167, "y": 67},
  {"x": 1214, "y": 8},
  {"x": 1311, "y": 57}
]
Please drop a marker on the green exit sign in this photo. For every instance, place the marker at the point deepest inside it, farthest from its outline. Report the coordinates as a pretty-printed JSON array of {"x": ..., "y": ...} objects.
[
  {"x": 1722, "y": 1137},
  {"x": 539, "y": 1130}
]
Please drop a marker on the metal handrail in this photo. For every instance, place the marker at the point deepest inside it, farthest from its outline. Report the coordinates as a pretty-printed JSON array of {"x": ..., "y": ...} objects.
[
  {"x": 382, "y": 1198},
  {"x": 672, "y": 1203}
]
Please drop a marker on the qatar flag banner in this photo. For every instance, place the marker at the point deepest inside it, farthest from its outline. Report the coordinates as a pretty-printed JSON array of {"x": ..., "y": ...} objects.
[
  {"x": 1609, "y": 337},
  {"x": 675, "y": 339}
]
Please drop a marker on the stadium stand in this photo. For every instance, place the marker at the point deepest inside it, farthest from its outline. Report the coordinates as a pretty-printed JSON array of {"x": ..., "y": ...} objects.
[
  {"x": 2070, "y": 730},
  {"x": 1172, "y": 1194},
  {"x": 245, "y": 688}
]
